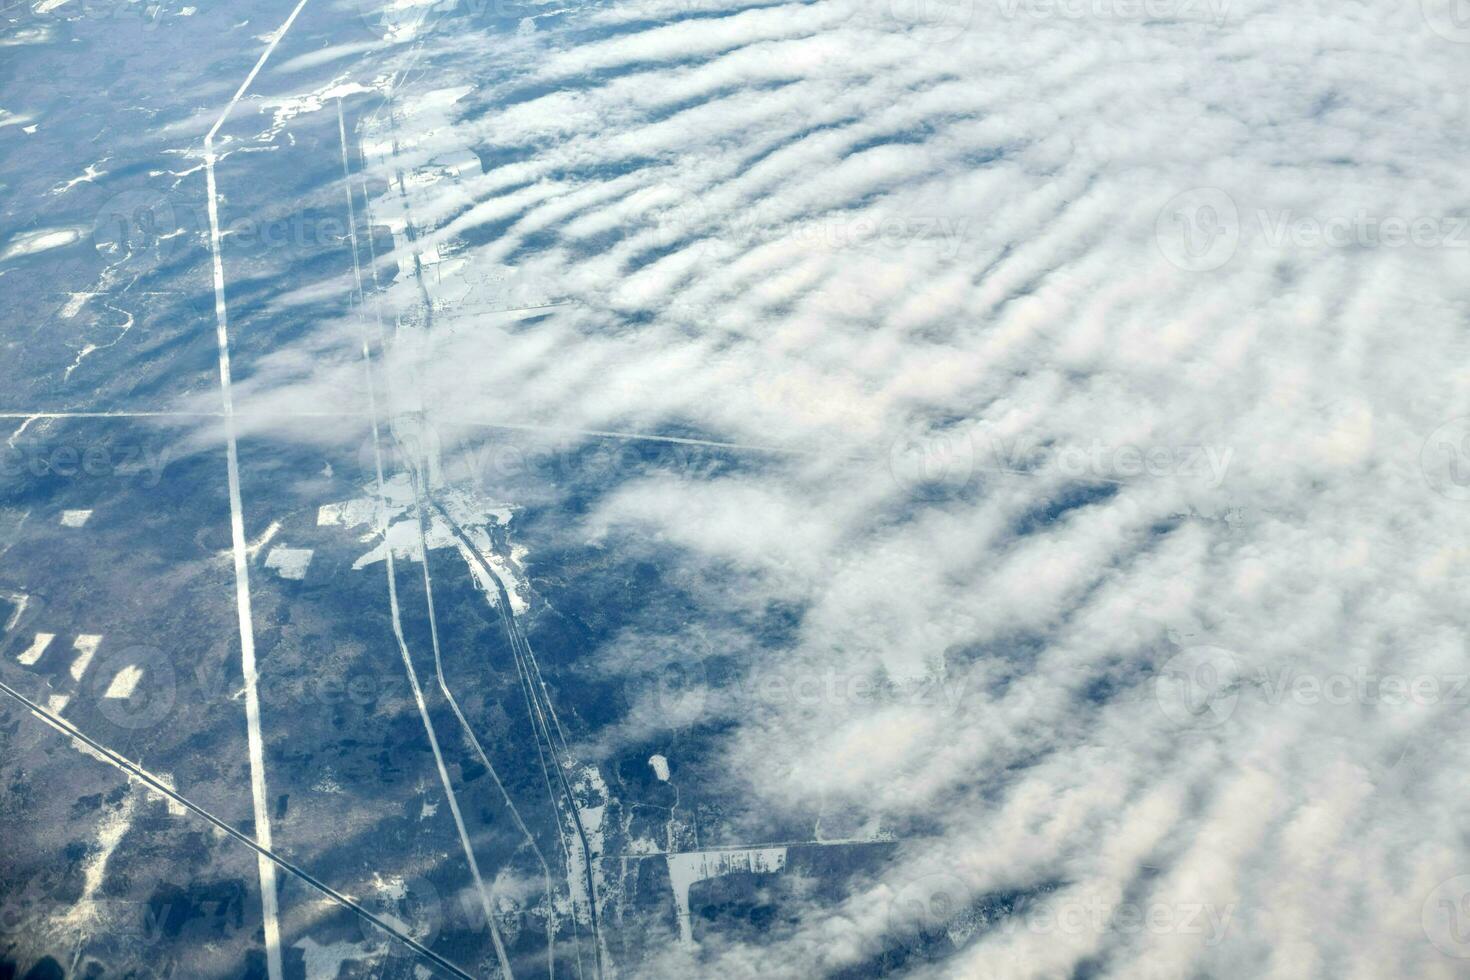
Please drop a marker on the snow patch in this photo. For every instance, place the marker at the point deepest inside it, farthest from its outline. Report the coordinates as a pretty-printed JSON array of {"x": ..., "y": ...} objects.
[
  {"x": 42, "y": 241},
  {"x": 89, "y": 175},
  {"x": 289, "y": 562},
  {"x": 690, "y": 867},
  {"x": 285, "y": 110},
  {"x": 21, "y": 600},
  {"x": 327, "y": 782},
  {"x": 38, "y": 646},
  {"x": 325, "y": 961},
  {"x": 349, "y": 513},
  {"x": 75, "y": 303},
  {"x": 474, "y": 516},
  {"x": 110, "y": 832},
  {"x": 125, "y": 683},
  {"x": 86, "y": 646}
]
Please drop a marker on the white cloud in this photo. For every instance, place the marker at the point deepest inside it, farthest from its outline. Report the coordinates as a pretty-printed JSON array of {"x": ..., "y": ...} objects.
[{"x": 823, "y": 228}]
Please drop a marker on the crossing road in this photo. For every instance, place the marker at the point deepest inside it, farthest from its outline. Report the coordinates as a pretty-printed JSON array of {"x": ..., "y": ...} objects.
[{"x": 137, "y": 772}]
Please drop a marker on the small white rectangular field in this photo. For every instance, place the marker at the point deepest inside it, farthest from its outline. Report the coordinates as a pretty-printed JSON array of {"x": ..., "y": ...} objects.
[
  {"x": 125, "y": 683},
  {"x": 289, "y": 562},
  {"x": 38, "y": 646},
  {"x": 86, "y": 646}
]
